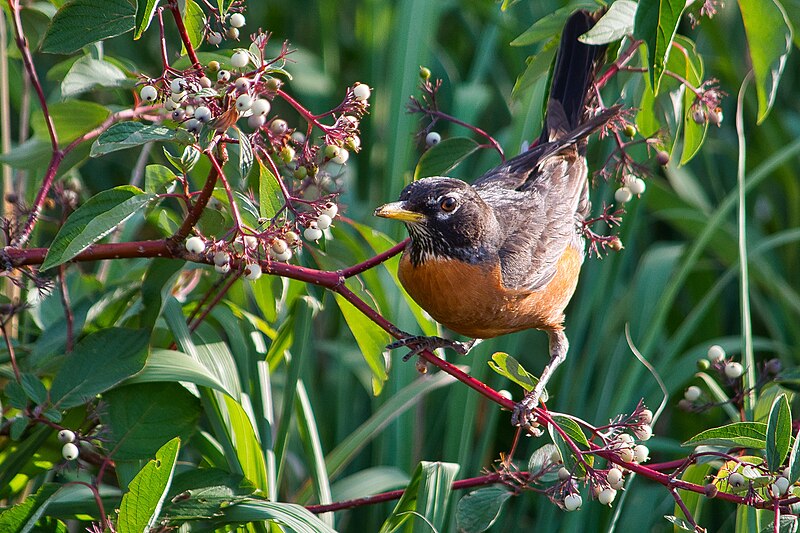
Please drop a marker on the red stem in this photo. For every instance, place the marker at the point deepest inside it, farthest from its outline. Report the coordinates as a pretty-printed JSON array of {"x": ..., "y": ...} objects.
[
  {"x": 349, "y": 272},
  {"x": 176, "y": 14},
  {"x": 199, "y": 205},
  {"x": 494, "y": 144},
  {"x": 618, "y": 64},
  {"x": 306, "y": 114}
]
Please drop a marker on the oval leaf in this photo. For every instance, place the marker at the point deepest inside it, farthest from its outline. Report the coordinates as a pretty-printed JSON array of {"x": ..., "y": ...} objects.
[
  {"x": 82, "y": 22},
  {"x": 124, "y": 135},
  {"x": 94, "y": 220},
  {"x": 656, "y": 23},
  {"x": 478, "y": 510},
  {"x": 614, "y": 25},
  {"x": 93, "y": 367},
  {"x": 88, "y": 73},
  {"x": 145, "y": 9},
  {"x": 71, "y": 119},
  {"x": 576, "y": 435},
  {"x": 736, "y": 435},
  {"x": 142, "y": 504},
  {"x": 270, "y": 196},
  {"x": 779, "y": 432},
  {"x": 445, "y": 156}
]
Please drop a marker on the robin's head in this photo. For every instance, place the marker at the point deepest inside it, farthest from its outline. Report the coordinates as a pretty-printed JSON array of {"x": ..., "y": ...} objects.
[{"x": 445, "y": 217}]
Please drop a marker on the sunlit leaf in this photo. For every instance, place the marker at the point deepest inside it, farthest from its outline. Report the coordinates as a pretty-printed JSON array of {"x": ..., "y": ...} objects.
[
  {"x": 81, "y": 22},
  {"x": 445, "y": 156},
  {"x": 737, "y": 434},
  {"x": 617, "y": 22},
  {"x": 779, "y": 432},
  {"x": 124, "y": 135}
]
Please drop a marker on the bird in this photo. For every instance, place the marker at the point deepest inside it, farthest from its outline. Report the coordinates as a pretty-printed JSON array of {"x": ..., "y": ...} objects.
[{"x": 504, "y": 253}]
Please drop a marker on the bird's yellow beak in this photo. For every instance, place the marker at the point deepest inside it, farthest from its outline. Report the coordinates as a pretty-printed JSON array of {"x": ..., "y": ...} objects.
[{"x": 397, "y": 211}]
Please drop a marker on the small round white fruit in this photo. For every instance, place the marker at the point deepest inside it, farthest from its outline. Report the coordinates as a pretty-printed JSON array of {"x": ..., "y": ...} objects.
[
  {"x": 736, "y": 480},
  {"x": 256, "y": 121},
  {"x": 177, "y": 85},
  {"x": 433, "y": 138},
  {"x": 250, "y": 242},
  {"x": 243, "y": 103},
  {"x": 242, "y": 84},
  {"x": 238, "y": 20},
  {"x": 623, "y": 195},
  {"x": 223, "y": 76},
  {"x": 284, "y": 256},
  {"x": 607, "y": 496},
  {"x": 195, "y": 245},
  {"x": 362, "y": 92},
  {"x": 252, "y": 271},
  {"x": 692, "y": 393},
  {"x": 66, "y": 435},
  {"x": 221, "y": 258},
  {"x": 214, "y": 38},
  {"x": 240, "y": 58},
  {"x": 341, "y": 156},
  {"x": 330, "y": 209},
  {"x": 637, "y": 186},
  {"x": 69, "y": 451},
  {"x": 193, "y": 125},
  {"x": 260, "y": 107},
  {"x": 202, "y": 114},
  {"x": 223, "y": 269},
  {"x": 312, "y": 232},
  {"x": 614, "y": 475},
  {"x": 148, "y": 93},
  {"x": 716, "y": 353},
  {"x": 734, "y": 370},
  {"x": 641, "y": 453},
  {"x": 324, "y": 222},
  {"x": 573, "y": 502}
]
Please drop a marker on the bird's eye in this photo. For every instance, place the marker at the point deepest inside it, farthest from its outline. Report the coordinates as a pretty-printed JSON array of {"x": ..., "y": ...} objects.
[{"x": 448, "y": 203}]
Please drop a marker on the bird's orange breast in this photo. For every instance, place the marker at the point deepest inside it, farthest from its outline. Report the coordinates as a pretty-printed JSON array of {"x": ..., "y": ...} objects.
[{"x": 471, "y": 299}]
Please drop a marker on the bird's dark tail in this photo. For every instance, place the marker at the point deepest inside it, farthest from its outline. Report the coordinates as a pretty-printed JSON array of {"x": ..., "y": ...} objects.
[{"x": 573, "y": 74}]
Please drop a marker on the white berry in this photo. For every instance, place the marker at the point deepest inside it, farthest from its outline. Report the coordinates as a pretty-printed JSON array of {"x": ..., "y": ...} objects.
[
  {"x": 221, "y": 258},
  {"x": 646, "y": 416},
  {"x": 278, "y": 126},
  {"x": 242, "y": 84},
  {"x": 205, "y": 82},
  {"x": 284, "y": 256},
  {"x": 505, "y": 394},
  {"x": 573, "y": 502},
  {"x": 193, "y": 125},
  {"x": 341, "y": 156},
  {"x": 177, "y": 85},
  {"x": 260, "y": 107},
  {"x": 256, "y": 121},
  {"x": 433, "y": 138},
  {"x": 736, "y": 480},
  {"x": 171, "y": 105},
  {"x": 563, "y": 474},
  {"x": 692, "y": 393},
  {"x": 252, "y": 271},
  {"x": 66, "y": 435},
  {"x": 330, "y": 209},
  {"x": 279, "y": 246},
  {"x": 250, "y": 242},
  {"x": 223, "y": 269},
  {"x": 607, "y": 496},
  {"x": 623, "y": 195},
  {"x": 243, "y": 103},
  {"x": 178, "y": 115},
  {"x": 195, "y": 245},
  {"x": 69, "y": 451},
  {"x": 626, "y": 455},
  {"x": 641, "y": 453},
  {"x": 223, "y": 76},
  {"x": 643, "y": 432},
  {"x": 148, "y": 93},
  {"x": 716, "y": 353},
  {"x": 781, "y": 484},
  {"x": 734, "y": 370},
  {"x": 312, "y": 232},
  {"x": 202, "y": 114},
  {"x": 214, "y": 38},
  {"x": 614, "y": 475},
  {"x": 324, "y": 222},
  {"x": 637, "y": 186},
  {"x": 237, "y": 20},
  {"x": 240, "y": 58},
  {"x": 178, "y": 97},
  {"x": 361, "y": 92}
]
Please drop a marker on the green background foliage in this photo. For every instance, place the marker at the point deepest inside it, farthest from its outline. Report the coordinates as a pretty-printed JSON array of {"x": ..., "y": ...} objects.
[{"x": 280, "y": 386}]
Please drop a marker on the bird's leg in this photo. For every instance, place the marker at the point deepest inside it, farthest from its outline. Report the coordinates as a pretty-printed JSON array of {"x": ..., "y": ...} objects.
[
  {"x": 523, "y": 411},
  {"x": 420, "y": 343}
]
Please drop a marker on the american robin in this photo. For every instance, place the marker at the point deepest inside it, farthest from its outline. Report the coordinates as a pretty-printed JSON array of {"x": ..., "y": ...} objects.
[{"x": 504, "y": 254}]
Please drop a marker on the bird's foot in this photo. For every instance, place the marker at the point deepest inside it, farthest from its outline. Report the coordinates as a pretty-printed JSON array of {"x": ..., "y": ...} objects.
[
  {"x": 524, "y": 415},
  {"x": 419, "y": 343}
]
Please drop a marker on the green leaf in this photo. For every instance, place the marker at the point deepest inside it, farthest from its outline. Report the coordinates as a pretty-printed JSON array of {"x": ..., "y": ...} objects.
[
  {"x": 794, "y": 460},
  {"x": 614, "y": 25},
  {"x": 689, "y": 64},
  {"x": 99, "y": 361},
  {"x": 124, "y": 135},
  {"x": 537, "y": 67},
  {"x": 202, "y": 492},
  {"x": 406, "y": 506},
  {"x": 270, "y": 196},
  {"x": 22, "y": 518},
  {"x": 445, "y": 156},
  {"x": 433, "y": 495},
  {"x": 679, "y": 523},
  {"x": 735, "y": 435},
  {"x": 156, "y": 288},
  {"x": 507, "y": 366},
  {"x": 786, "y": 524},
  {"x": 86, "y": 74},
  {"x": 81, "y": 22},
  {"x": 195, "y": 21},
  {"x": 223, "y": 6},
  {"x": 145, "y": 9},
  {"x": 71, "y": 119},
  {"x": 245, "y": 154},
  {"x": 294, "y": 517},
  {"x": 158, "y": 179},
  {"x": 17, "y": 397},
  {"x": 141, "y": 505},
  {"x": 34, "y": 388},
  {"x": 769, "y": 40},
  {"x": 144, "y": 416},
  {"x": 779, "y": 432},
  {"x": 94, "y": 220},
  {"x": 550, "y": 26},
  {"x": 656, "y": 23},
  {"x": 478, "y": 510},
  {"x": 576, "y": 435},
  {"x": 541, "y": 459},
  {"x": 173, "y": 367}
]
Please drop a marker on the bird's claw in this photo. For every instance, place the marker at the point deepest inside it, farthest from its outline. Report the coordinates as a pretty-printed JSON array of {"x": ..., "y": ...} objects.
[
  {"x": 524, "y": 416},
  {"x": 419, "y": 343}
]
